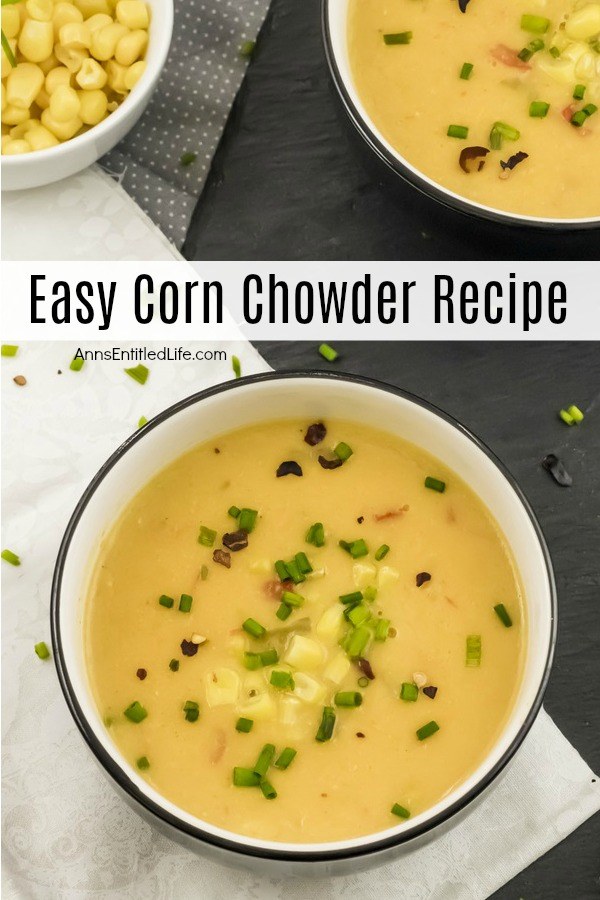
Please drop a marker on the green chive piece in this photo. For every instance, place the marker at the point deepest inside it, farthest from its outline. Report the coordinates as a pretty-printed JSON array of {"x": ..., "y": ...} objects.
[
  {"x": 370, "y": 593},
  {"x": 466, "y": 71},
  {"x": 316, "y": 535},
  {"x": 138, "y": 373},
  {"x": 400, "y": 811},
  {"x": 357, "y": 615},
  {"x": 538, "y": 109},
  {"x": 506, "y": 131},
  {"x": 186, "y": 159},
  {"x": 166, "y": 601},
  {"x": 503, "y": 614},
  {"x": 135, "y": 712},
  {"x": 191, "y": 711},
  {"x": 185, "y": 603},
  {"x": 142, "y": 421},
  {"x": 269, "y": 657},
  {"x": 236, "y": 366},
  {"x": 325, "y": 730},
  {"x": 293, "y": 572},
  {"x": 207, "y": 536},
  {"x": 566, "y": 416},
  {"x": 285, "y": 758},
  {"x": 204, "y": 573},
  {"x": 427, "y": 730},
  {"x": 268, "y": 790},
  {"x": 434, "y": 484},
  {"x": 245, "y": 777},
  {"x": 532, "y": 47},
  {"x": 401, "y": 37},
  {"x": 348, "y": 698},
  {"x": 10, "y": 557},
  {"x": 303, "y": 564},
  {"x": 174, "y": 665},
  {"x": 76, "y": 364},
  {"x": 575, "y": 414},
  {"x": 356, "y": 549},
  {"x": 343, "y": 451},
  {"x": 381, "y": 552},
  {"x": 357, "y": 641},
  {"x": 579, "y": 92},
  {"x": 9, "y": 349},
  {"x": 234, "y": 511},
  {"x": 495, "y": 139},
  {"x": 265, "y": 758},
  {"x": 283, "y": 681},
  {"x": 244, "y": 725},
  {"x": 281, "y": 569},
  {"x": 247, "y": 49},
  {"x": 473, "y": 657},
  {"x": 42, "y": 650},
  {"x": 8, "y": 50},
  {"x": 535, "y": 24},
  {"x": 382, "y": 629},
  {"x": 252, "y": 660},
  {"x": 283, "y": 611},
  {"x": 363, "y": 681},
  {"x": 458, "y": 131},
  {"x": 554, "y": 52},
  {"x": 291, "y": 599},
  {"x": 328, "y": 353},
  {"x": 589, "y": 109},
  {"x": 409, "y": 692},
  {"x": 254, "y": 628},
  {"x": 248, "y": 519},
  {"x": 578, "y": 119},
  {"x": 142, "y": 763},
  {"x": 354, "y": 597}
]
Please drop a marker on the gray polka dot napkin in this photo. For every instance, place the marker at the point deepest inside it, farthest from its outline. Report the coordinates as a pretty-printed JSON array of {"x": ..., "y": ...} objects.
[{"x": 187, "y": 112}]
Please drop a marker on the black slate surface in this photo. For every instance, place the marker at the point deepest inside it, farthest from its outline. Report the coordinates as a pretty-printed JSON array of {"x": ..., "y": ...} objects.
[
  {"x": 509, "y": 394},
  {"x": 292, "y": 180}
]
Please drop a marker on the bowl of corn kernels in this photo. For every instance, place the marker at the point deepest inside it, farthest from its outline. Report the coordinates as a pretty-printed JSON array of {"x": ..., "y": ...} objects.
[{"x": 76, "y": 76}]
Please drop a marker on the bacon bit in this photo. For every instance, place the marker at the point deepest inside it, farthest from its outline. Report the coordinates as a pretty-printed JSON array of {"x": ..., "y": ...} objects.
[
  {"x": 274, "y": 589},
  {"x": 289, "y": 467},
  {"x": 365, "y": 667},
  {"x": 472, "y": 159},
  {"x": 188, "y": 648},
  {"x": 20, "y": 380},
  {"x": 462, "y": 5},
  {"x": 359, "y": 734},
  {"x": 391, "y": 513},
  {"x": 315, "y": 433},
  {"x": 236, "y": 540},
  {"x": 330, "y": 463},
  {"x": 508, "y": 57},
  {"x": 422, "y": 578},
  {"x": 141, "y": 674},
  {"x": 514, "y": 160},
  {"x": 219, "y": 748},
  {"x": 567, "y": 112},
  {"x": 217, "y": 450},
  {"x": 360, "y": 520},
  {"x": 430, "y": 691},
  {"x": 223, "y": 557}
]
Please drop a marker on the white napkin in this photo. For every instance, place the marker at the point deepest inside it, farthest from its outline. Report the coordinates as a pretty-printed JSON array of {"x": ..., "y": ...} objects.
[{"x": 66, "y": 832}]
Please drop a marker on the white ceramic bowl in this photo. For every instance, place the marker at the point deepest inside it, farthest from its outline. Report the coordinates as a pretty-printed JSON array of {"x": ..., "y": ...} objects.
[
  {"x": 312, "y": 396},
  {"x": 335, "y": 36},
  {"x": 29, "y": 170}
]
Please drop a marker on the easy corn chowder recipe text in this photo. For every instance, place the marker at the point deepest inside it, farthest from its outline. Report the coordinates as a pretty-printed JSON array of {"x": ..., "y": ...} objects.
[{"x": 305, "y": 631}]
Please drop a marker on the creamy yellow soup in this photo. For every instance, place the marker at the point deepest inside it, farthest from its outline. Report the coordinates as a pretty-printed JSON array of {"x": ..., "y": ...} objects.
[
  {"x": 414, "y": 94},
  {"x": 429, "y": 666}
]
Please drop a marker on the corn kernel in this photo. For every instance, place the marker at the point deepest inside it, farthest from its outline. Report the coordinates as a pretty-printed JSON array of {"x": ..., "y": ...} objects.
[
  {"x": 70, "y": 57},
  {"x": 131, "y": 47},
  {"x": 23, "y": 84},
  {"x": 36, "y": 40},
  {"x": 93, "y": 106},
  {"x": 116, "y": 76},
  {"x": 19, "y": 131},
  {"x": 98, "y": 21},
  {"x": 93, "y": 7},
  {"x": 14, "y": 148},
  {"x": 59, "y": 75},
  {"x": 105, "y": 40},
  {"x": 11, "y": 21},
  {"x": 39, "y": 138},
  {"x": 583, "y": 23},
  {"x": 75, "y": 36},
  {"x": 64, "y": 131},
  {"x": 41, "y": 10},
  {"x": 133, "y": 14},
  {"x": 91, "y": 75},
  {"x": 64, "y": 13},
  {"x": 64, "y": 103},
  {"x": 13, "y": 115},
  {"x": 134, "y": 73},
  {"x": 48, "y": 64},
  {"x": 43, "y": 99},
  {"x": 3, "y": 95}
]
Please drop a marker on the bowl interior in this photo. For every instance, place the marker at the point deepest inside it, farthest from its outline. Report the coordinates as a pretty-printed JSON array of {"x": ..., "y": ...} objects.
[{"x": 266, "y": 398}]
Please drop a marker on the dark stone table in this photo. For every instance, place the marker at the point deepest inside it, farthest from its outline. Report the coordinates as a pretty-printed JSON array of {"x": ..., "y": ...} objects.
[
  {"x": 509, "y": 394},
  {"x": 291, "y": 179}
]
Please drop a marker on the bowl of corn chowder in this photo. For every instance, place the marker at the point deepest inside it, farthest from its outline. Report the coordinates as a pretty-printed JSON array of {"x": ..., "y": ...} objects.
[
  {"x": 76, "y": 77},
  {"x": 493, "y": 113},
  {"x": 296, "y": 639}
]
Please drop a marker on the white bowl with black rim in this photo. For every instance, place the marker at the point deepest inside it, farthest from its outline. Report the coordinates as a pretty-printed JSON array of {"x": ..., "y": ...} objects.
[
  {"x": 263, "y": 398},
  {"x": 334, "y": 18}
]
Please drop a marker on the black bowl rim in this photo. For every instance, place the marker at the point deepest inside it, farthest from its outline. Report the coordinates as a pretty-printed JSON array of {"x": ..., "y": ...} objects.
[
  {"x": 239, "y": 848},
  {"x": 433, "y": 190}
]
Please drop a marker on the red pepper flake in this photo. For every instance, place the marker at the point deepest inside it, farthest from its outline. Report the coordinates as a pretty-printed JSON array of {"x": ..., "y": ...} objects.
[
  {"x": 365, "y": 667},
  {"x": 430, "y": 690},
  {"x": 289, "y": 467},
  {"x": 330, "y": 463},
  {"x": 315, "y": 433},
  {"x": 141, "y": 674},
  {"x": 188, "y": 648},
  {"x": 422, "y": 577},
  {"x": 223, "y": 557},
  {"x": 236, "y": 540},
  {"x": 275, "y": 588},
  {"x": 508, "y": 57}
]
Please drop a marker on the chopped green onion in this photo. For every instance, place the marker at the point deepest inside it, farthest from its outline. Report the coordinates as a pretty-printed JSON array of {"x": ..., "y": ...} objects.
[
  {"x": 138, "y": 373},
  {"x": 590, "y": 109},
  {"x": 244, "y": 725},
  {"x": 303, "y": 564},
  {"x": 535, "y": 24},
  {"x": 409, "y": 692},
  {"x": 204, "y": 573},
  {"x": 401, "y": 37},
  {"x": 538, "y": 109},
  {"x": 245, "y": 777},
  {"x": 186, "y": 159},
  {"x": 328, "y": 353},
  {"x": 252, "y": 660},
  {"x": 343, "y": 451},
  {"x": 575, "y": 414},
  {"x": 357, "y": 641},
  {"x": 382, "y": 629},
  {"x": 283, "y": 681},
  {"x": 135, "y": 712},
  {"x": 174, "y": 665},
  {"x": 166, "y": 601},
  {"x": 578, "y": 119},
  {"x": 248, "y": 519},
  {"x": 316, "y": 535},
  {"x": 236, "y": 366},
  {"x": 207, "y": 536},
  {"x": 265, "y": 758},
  {"x": 435, "y": 484},
  {"x": 281, "y": 569},
  {"x": 370, "y": 593},
  {"x": 503, "y": 614},
  {"x": 42, "y": 650},
  {"x": 233, "y": 511},
  {"x": 76, "y": 364},
  {"x": 427, "y": 730},
  {"x": 532, "y": 47},
  {"x": 9, "y": 349},
  {"x": 8, "y": 50},
  {"x": 506, "y": 131},
  {"x": 466, "y": 70},
  {"x": 400, "y": 811},
  {"x": 356, "y": 549},
  {"x": 473, "y": 657},
  {"x": 269, "y": 657},
  {"x": 458, "y": 131},
  {"x": 10, "y": 557},
  {"x": 566, "y": 416},
  {"x": 363, "y": 681},
  {"x": 285, "y": 758},
  {"x": 268, "y": 790},
  {"x": 579, "y": 92},
  {"x": 142, "y": 421},
  {"x": 325, "y": 730},
  {"x": 254, "y": 628},
  {"x": 381, "y": 552},
  {"x": 348, "y": 698},
  {"x": 247, "y": 49},
  {"x": 357, "y": 615},
  {"x": 354, "y": 597},
  {"x": 554, "y": 52},
  {"x": 291, "y": 599},
  {"x": 185, "y": 603},
  {"x": 283, "y": 611},
  {"x": 191, "y": 711},
  {"x": 293, "y": 572},
  {"x": 142, "y": 763},
  {"x": 495, "y": 139}
]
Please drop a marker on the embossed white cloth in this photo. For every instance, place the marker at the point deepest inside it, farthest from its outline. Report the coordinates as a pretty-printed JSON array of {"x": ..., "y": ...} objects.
[{"x": 66, "y": 833}]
